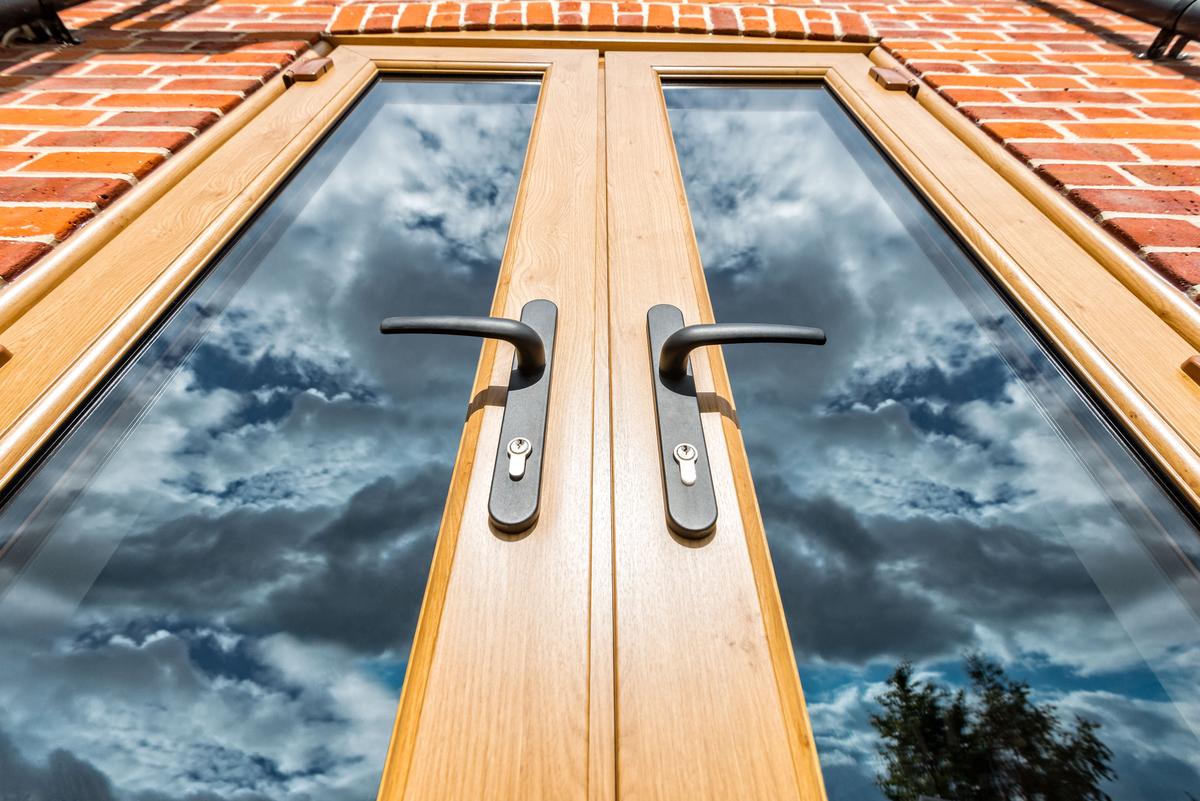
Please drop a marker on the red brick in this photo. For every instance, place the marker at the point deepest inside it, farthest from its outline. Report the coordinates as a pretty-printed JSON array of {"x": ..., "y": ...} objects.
[
  {"x": 1053, "y": 82},
  {"x": 37, "y": 221},
  {"x": 1182, "y": 269},
  {"x": 1163, "y": 232},
  {"x": 1170, "y": 152},
  {"x": 101, "y": 137},
  {"x": 1070, "y": 151},
  {"x": 661, "y": 19},
  {"x": 1140, "y": 201},
  {"x": 1020, "y": 130},
  {"x": 117, "y": 69},
  {"x": 960, "y": 96},
  {"x": 15, "y": 257},
  {"x": 28, "y": 189},
  {"x": 137, "y": 164},
  {"x": 414, "y": 17},
  {"x": 1171, "y": 97},
  {"x": 11, "y": 136},
  {"x": 104, "y": 84},
  {"x": 45, "y": 116},
  {"x": 539, "y": 15},
  {"x": 348, "y": 19},
  {"x": 1015, "y": 112},
  {"x": 1028, "y": 69},
  {"x": 723, "y": 20},
  {"x": 1103, "y": 112},
  {"x": 600, "y": 16},
  {"x": 1173, "y": 112},
  {"x": 1139, "y": 83},
  {"x": 162, "y": 100},
  {"x": 989, "y": 81},
  {"x": 1166, "y": 174},
  {"x": 937, "y": 67},
  {"x": 1082, "y": 175},
  {"x": 175, "y": 119},
  {"x": 10, "y": 159},
  {"x": 218, "y": 70},
  {"x": 1133, "y": 130},
  {"x": 1076, "y": 96},
  {"x": 478, "y": 16},
  {"x": 788, "y": 24}
]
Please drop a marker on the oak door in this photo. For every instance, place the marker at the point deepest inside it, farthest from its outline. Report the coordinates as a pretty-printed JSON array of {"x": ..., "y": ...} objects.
[
  {"x": 269, "y": 527},
  {"x": 926, "y": 504}
]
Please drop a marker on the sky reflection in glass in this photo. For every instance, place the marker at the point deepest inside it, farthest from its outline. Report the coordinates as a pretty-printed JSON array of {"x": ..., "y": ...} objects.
[
  {"x": 211, "y": 588},
  {"x": 930, "y": 483}
]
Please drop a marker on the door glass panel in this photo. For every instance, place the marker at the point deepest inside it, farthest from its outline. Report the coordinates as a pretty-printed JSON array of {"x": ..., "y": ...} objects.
[
  {"x": 210, "y": 588},
  {"x": 945, "y": 511}
]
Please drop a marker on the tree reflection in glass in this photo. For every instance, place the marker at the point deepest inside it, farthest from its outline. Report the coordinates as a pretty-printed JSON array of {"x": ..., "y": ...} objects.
[
  {"x": 210, "y": 589},
  {"x": 931, "y": 483}
]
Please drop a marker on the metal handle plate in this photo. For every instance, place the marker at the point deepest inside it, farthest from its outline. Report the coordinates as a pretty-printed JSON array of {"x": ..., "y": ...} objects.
[{"x": 517, "y": 474}]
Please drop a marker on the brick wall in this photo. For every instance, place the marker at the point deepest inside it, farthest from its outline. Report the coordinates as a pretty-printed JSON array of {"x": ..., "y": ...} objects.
[{"x": 1056, "y": 81}]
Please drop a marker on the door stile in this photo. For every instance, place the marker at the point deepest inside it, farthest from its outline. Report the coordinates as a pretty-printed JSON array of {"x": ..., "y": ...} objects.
[
  {"x": 602, "y": 755},
  {"x": 698, "y": 692},
  {"x": 496, "y": 701}
]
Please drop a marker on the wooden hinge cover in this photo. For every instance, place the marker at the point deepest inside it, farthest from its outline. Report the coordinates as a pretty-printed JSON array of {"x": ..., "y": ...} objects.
[
  {"x": 309, "y": 70},
  {"x": 895, "y": 80}
]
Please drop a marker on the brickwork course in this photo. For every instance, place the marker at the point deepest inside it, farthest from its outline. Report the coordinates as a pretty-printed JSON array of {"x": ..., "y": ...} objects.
[{"x": 1056, "y": 81}]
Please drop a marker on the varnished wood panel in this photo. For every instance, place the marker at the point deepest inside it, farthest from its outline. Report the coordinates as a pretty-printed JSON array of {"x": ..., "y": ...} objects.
[
  {"x": 505, "y": 707},
  {"x": 698, "y": 707}
]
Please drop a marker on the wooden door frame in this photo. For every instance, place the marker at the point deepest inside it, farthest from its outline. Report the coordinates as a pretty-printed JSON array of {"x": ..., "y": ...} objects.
[
  {"x": 1126, "y": 346},
  {"x": 496, "y": 696},
  {"x": 1123, "y": 330}
]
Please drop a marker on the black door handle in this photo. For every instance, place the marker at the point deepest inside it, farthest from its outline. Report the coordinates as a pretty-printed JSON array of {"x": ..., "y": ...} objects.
[
  {"x": 531, "y": 351},
  {"x": 517, "y": 473},
  {"x": 687, "y": 481},
  {"x": 673, "y": 358}
]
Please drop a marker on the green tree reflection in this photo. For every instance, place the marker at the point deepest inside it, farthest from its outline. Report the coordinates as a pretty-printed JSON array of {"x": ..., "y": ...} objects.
[{"x": 986, "y": 742}]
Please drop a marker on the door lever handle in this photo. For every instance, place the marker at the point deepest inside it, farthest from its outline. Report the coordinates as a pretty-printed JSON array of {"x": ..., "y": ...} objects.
[
  {"x": 531, "y": 351},
  {"x": 516, "y": 477},
  {"x": 687, "y": 482},
  {"x": 673, "y": 357}
]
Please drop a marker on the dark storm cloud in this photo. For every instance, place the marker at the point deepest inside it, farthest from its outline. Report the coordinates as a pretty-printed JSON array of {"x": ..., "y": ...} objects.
[
  {"x": 358, "y": 583},
  {"x": 63, "y": 776},
  {"x": 863, "y": 588}
]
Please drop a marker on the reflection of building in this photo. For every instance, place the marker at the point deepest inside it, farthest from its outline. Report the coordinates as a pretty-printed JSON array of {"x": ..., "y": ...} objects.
[{"x": 238, "y": 526}]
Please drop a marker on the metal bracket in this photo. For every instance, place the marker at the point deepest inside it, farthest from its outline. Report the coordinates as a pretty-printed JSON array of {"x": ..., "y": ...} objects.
[
  {"x": 691, "y": 508},
  {"x": 517, "y": 477}
]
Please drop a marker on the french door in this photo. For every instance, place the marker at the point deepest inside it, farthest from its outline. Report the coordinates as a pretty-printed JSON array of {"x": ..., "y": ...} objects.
[{"x": 585, "y": 572}]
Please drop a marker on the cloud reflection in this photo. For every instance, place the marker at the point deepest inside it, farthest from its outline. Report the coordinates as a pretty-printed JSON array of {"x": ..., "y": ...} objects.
[
  {"x": 216, "y": 579},
  {"x": 930, "y": 484}
]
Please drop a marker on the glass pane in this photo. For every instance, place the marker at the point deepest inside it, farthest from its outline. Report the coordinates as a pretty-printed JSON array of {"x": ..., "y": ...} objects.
[
  {"x": 945, "y": 511},
  {"x": 209, "y": 590}
]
